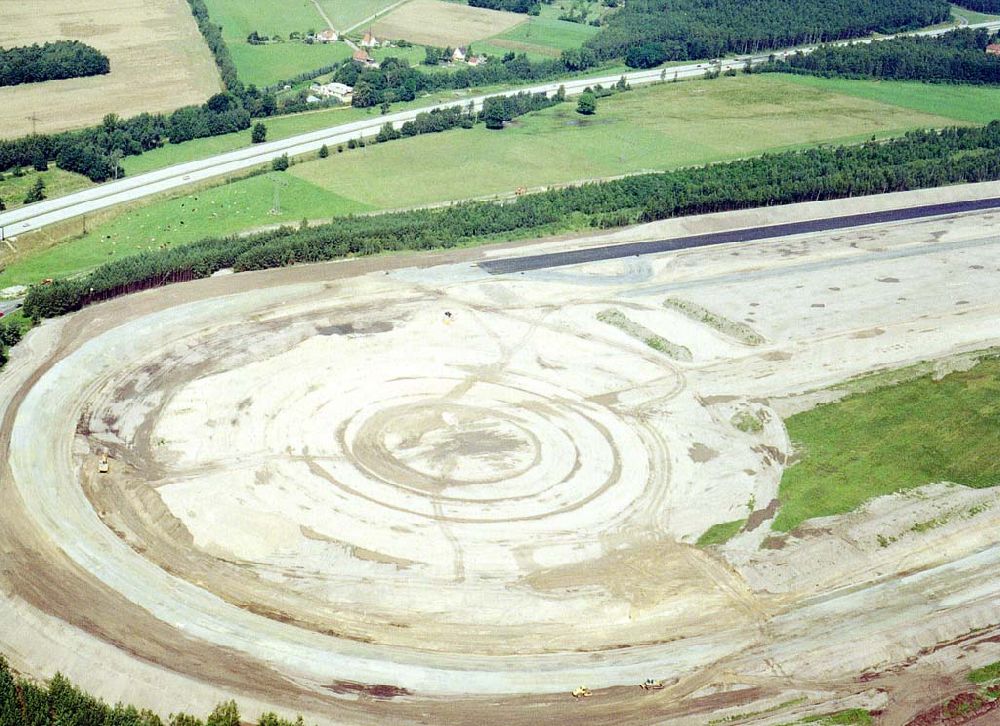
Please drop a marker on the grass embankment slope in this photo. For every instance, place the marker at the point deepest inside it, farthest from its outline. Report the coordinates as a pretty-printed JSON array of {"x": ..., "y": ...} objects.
[
  {"x": 893, "y": 438},
  {"x": 653, "y": 128}
]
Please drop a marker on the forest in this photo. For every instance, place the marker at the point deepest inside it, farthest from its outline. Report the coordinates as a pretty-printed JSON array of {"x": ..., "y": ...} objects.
[
  {"x": 532, "y": 7},
  {"x": 955, "y": 57},
  {"x": 60, "y": 703},
  {"x": 61, "y": 59},
  {"x": 649, "y": 32},
  {"x": 918, "y": 160},
  {"x": 982, "y": 6}
]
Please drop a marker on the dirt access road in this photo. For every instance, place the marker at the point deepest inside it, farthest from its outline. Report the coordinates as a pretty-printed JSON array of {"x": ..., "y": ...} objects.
[{"x": 327, "y": 496}]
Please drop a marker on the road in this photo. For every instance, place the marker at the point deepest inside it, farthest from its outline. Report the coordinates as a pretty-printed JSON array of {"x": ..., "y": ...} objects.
[
  {"x": 634, "y": 249},
  {"x": 39, "y": 215}
]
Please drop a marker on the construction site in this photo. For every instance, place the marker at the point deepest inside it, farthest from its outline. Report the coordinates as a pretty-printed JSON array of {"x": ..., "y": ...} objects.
[{"x": 405, "y": 489}]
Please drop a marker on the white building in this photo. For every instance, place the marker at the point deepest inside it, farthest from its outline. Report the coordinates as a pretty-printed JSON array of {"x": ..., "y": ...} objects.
[{"x": 341, "y": 91}]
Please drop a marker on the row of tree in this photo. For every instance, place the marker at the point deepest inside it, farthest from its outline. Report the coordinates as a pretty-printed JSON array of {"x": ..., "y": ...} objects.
[
  {"x": 60, "y": 703},
  {"x": 955, "y": 57},
  {"x": 649, "y": 32},
  {"x": 918, "y": 160},
  {"x": 531, "y": 7},
  {"x": 60, "y": 59},
  {"x": 394, "y": 80},
  {"x": 95, "y": 152}
]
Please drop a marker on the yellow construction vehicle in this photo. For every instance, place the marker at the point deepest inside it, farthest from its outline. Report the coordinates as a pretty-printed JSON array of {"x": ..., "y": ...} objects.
[
  {"x": 651, "y": 685},
  {"x": 103, "y": 466},
  {"x": 581, "y": 692}
]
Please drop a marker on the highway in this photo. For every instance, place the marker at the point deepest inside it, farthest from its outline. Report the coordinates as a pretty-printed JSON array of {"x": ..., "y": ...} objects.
[{"x": 50, "y": 211}]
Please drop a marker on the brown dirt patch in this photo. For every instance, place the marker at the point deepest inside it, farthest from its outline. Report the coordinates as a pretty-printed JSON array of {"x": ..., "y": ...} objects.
[{"x": 433, "y": 22}]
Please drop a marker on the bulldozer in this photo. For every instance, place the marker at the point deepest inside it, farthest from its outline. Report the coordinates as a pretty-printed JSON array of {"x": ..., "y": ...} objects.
[
  {"x": 103, "y": 466},
  {"x": 582, "y": 692},
  {"x": 650, "y": 685}
]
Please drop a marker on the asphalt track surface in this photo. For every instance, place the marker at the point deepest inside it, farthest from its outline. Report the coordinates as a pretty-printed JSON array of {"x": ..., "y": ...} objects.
[
  {"x": 51, "y": 211},
  {"x": 512, "y": 265}
]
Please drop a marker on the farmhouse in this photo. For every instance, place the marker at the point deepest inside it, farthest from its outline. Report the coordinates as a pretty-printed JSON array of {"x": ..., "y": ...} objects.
[
  {"x": 993, "y": 49},
  {"x": 341, "y": 91},
  {"x": 458, "y": 55},
  {"x": 327, "y": 36},
  {"x": 361, "y": 56},
  {"x": 369, "y": 41}
]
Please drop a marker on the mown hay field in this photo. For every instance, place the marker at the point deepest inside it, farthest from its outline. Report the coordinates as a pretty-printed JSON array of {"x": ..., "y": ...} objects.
[
  {"x": 433, "y": 22},
  {"x": 159, "y": 61}
]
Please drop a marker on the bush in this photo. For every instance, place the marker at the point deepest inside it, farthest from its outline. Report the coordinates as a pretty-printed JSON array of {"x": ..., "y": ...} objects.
[
  {"x": 258, "y": 134},
  {"x": 280, "y": 163},
  {"x": 36, "y": 193},
  {"x": 587, "y": 105}
]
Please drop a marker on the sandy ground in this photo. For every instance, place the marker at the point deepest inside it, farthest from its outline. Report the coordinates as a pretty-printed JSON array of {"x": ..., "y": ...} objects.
[
  {"x": 159, "y": 61},
  {"x": 329, "y": 496}
]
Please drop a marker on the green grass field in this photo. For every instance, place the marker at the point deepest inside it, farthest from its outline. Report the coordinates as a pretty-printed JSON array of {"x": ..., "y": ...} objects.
[
  {"x": 891, "y": 439},
  {"x": 266, "y": 64},
  {"x": 543, "y": 36},
  {"x": 652, "y": 128},
  {"x": 57, "y": 183},
  {"x": 973, "y": 104},
  {"x": 971, "y": 15},
  {"x": 661, "y": 127},
  {"x": 218, "y": 211}
]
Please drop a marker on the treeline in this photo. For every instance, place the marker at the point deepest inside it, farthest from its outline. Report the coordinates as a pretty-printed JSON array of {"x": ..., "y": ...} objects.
[
  {"x": 982, "y": 6},
  {"x": 918, "y": 160},
  {"x": 61, "y": 59},
  {"x": 649, "y": 32},
  {"x": 531, "y": 7},
  {"x": 212, "y": 34},
  {"x": 96, "y": 151},
  {"x": 955, "y": 57},
  {"x": 496, "y": 111},
  {"x": 60, "y": 703},
  {"x": 394, "y": 80}
]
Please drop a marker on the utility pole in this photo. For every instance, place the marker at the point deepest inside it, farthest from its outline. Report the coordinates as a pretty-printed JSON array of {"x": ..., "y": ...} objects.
[
  {"x": 276, "y": 203},
  {"x": 34, "y": 122}
]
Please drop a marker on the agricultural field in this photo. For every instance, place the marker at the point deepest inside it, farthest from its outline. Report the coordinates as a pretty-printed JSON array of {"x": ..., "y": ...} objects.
[
  {"x": 347, "y": 16},
  {"x": 542, "y": 36},
  {"x": 439, "y": 23},
  {"x": 653, "y": 128},
  {"x": 273, "y": 62},
  {"x": 159, "y": 62}
]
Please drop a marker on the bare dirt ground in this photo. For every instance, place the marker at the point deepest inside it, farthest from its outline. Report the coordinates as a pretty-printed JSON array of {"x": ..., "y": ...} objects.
[
  {"x": 435, "y": 22},
  {"x": 328, "y": 496},
  {"x": 159, "y": 62}
]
